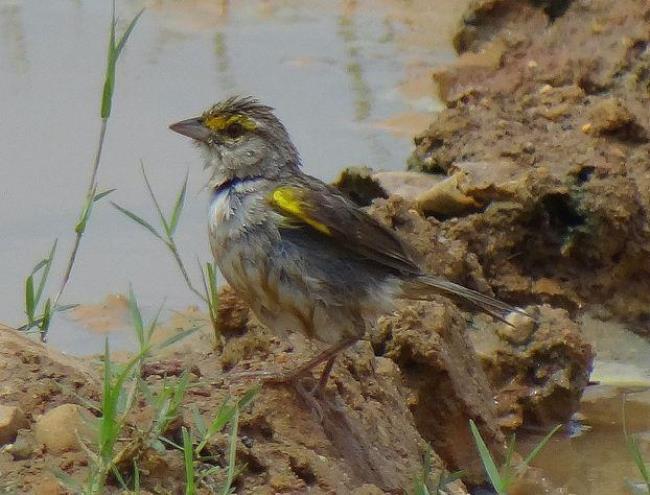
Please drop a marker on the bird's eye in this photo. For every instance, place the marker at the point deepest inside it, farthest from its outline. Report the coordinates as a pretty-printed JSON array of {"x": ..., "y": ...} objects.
[{"x": 234, "y": 130}]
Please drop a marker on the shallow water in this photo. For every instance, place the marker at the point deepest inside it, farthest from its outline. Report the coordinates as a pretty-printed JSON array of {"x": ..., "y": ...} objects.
[{"x": 351, "y": 80}]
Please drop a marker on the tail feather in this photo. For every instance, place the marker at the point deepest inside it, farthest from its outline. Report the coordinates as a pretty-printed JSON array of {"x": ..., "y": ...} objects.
[{"x": 423, "y": 286}]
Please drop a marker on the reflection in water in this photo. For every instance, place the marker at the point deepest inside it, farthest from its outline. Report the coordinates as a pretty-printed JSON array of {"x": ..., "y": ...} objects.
[
  {"x": 331, "y": 69},
  {"x": 360, "y": 88},
  {"x": 226, "y": 79},
  {"x": 13, "y": 36}
]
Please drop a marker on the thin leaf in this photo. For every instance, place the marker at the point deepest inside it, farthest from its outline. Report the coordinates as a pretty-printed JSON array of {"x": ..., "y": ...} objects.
[
  {"x": 109, "y": 78},
  {"x": 538, "y": 448},
  {"x": 178, "y": 207},
  {"x": 488, "y": 462},
  {"x": 506, "y": 468},
  {"x": 29, "y": 298},
  {"x": 188, "y": 457},
  {"x": 248, "y": 397},
  {"x": 46, "y": 272},
  {"x": 65, "y": 307},
  {"x": 232, "y": 453},
  {"x": 151, "y": 327},
  {"x": 44, "y": 325},
  {"x": 177, "y": 337},
  {"x": 199, "y": 421},
  {"x": 136, "y": 477},
  {"x": 67, "y": 481},
  {"x": 103, "y": 194},
  {"x": 163, "y": 221},
  {"x": 119, "y": 478},
  {"x": 127, "y": 33},
  {"x": 138, "y": 220},
  {"x": 136, "y": 318}
]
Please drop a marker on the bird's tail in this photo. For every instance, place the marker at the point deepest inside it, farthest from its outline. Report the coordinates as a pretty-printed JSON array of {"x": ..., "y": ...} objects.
[{"x": 424, "y": 286}]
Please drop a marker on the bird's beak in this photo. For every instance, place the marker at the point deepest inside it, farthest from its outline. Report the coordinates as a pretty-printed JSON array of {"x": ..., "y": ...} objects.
[{"x": 192, "y": 128}]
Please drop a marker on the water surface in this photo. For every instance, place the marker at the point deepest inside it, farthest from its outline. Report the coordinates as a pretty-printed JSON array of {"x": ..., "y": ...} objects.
[{"x": 351, "y": 80}]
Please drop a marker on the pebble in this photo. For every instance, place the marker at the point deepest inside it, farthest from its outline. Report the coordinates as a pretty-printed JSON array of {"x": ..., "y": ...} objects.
[
  {"x": 12, "y": 419},
  {"x": 60, "y": 428}
]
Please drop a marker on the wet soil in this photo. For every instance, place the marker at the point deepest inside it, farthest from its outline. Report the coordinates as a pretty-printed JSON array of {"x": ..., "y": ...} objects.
[
  {"x": 547, "y": 128},
  {"x": 540, "y": 197}
]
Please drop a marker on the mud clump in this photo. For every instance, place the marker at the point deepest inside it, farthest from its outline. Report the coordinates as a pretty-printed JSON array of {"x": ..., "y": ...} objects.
[
  {"x": 366, "y": 443},
  {"x": 561, "y": 117}
]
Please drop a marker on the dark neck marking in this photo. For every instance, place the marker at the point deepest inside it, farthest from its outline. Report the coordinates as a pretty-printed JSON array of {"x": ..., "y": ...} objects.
[{"x": 233, "y": 181}]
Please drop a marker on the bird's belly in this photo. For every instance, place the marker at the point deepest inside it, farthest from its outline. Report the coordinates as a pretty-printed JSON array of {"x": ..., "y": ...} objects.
[{"x": 279, "y": 298}]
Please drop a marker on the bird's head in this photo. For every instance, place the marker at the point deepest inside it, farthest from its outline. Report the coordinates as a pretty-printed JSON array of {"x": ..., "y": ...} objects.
[{"x": 241, "y": 138}]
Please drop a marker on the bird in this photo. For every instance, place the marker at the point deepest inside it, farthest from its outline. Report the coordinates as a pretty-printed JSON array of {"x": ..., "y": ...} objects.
[{"x": 303, "y": 256}]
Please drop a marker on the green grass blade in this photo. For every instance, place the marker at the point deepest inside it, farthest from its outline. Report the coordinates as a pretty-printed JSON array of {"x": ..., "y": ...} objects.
[
  {"x": 103, "y": 194},
  {"x": 177, "y": 337},
  {"x": 488, "y": 462},
  {"x": 199, "y": 422},
  {"x": 232, "y": 453},
  {"x": 248, "y": 397},
  {"x": 109, "y": 78},
  {"x": 136, "y": 318},
  {"x": 29, "y": 298},
  {"x": 178, "y": 207},
  {"x": 127, "y": 33},
  {"x": 46, "y": 271},
  {"x": 44, "y": 325},
  {"x": 136, "y": 477},
  {"x": 538, "y": 448},
  {"x": 188, "y": 458},
  {"x": 138, "y": 220},
  {"x": 163, "y": 221},
  {"x": 635, "y": 452},
  {"x": 506, "y": 468},
  {"x": 151, "y": 327}
]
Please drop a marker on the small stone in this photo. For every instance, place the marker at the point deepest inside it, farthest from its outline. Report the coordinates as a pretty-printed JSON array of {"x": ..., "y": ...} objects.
[
  {"x": 61, "y": 428},
  {"x": 24, "y": 445},
  {"x": 386, "y": 367},
  {"x": 519, "y": 331},
  {"x": 12, "y": 419}
]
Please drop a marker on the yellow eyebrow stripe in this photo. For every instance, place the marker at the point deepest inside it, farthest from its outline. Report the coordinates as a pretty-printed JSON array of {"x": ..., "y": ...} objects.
[
  {"x": 289, "y": 199},
  {"x": 220, "y": 122}
]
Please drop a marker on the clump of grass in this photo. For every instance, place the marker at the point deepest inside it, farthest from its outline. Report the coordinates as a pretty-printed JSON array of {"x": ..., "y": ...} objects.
[
  {"x": 40, "y": 315},
  {"x": 122, "y": 388},
  {"x": 425, "y": 485},
  {"x": 165, "y": 234},
  {"x": 502, "y": 477}
]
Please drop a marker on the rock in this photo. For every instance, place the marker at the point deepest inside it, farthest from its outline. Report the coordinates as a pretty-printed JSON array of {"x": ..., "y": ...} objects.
[
  {"x": 446, "y": 199},
  {"x": 612, "y": 116},
  {"x": 63, "y": 427},
  {"x": 407, "y": 184},
  {"x": 443, "y": 375},
  {"x": 358, "y": 184},
  {"x": 23, "y": 446},
  {"x": 12, "y": 419},
  {"x": 538, "y": 374}
]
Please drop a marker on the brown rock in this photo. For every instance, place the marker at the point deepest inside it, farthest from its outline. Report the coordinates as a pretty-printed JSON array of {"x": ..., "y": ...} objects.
[
  {"x": 444, "y": 376},
  {"x": 538, "y": 374},
  {"x": 12, "y": 419},
  {"x": 63, "y": 427}
]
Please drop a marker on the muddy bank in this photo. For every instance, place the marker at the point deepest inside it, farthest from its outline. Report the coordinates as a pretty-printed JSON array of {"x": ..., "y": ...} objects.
[
  {"x": 546, "y": 135},
  {"x": 538, "y": 193}
]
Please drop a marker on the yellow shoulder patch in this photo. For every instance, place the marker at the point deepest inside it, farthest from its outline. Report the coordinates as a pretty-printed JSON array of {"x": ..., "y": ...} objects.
[
  {"x": 290, "y": 200},
  {"x": 220, "y": 122}
]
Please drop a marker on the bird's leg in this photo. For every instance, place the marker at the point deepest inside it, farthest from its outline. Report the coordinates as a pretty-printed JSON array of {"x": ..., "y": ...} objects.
[{"x": 328, "y": 355}]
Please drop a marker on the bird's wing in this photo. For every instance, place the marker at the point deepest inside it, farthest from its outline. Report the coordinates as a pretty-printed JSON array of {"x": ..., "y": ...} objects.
[{"x": 324, "y": 210}]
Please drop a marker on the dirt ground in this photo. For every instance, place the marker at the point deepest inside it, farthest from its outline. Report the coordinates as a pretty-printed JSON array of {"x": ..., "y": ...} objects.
[{"x": 539, "y": 194}]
